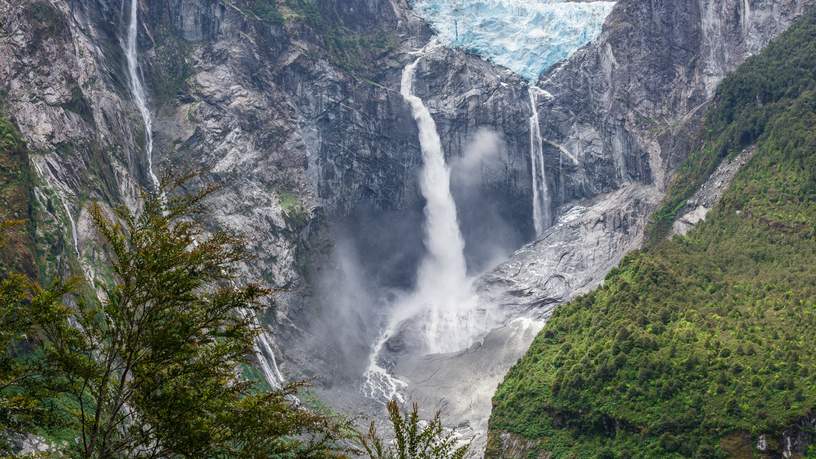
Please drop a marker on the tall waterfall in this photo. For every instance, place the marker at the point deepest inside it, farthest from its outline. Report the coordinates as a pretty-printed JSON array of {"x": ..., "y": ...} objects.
[
  {"x": 442, "y": 303},
  {"x": 541, "y": 192},
  {"x": 443, "y": 292},
  {"x": 137, "y": 89}
]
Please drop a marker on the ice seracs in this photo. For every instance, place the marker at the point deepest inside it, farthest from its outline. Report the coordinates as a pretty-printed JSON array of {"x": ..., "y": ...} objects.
[{"x": 526, "y": 36}]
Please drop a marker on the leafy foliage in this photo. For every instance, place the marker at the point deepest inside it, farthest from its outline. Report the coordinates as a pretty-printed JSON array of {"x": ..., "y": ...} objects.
[
  {"x": 703, "y": 342},
  {"x": 765, "y": 85},
  {"x": 152, "y": 367},
  {"x": 267, "y": 11},
  {"x": 15, "y": 191},
  {"x": 413, "y": 438},
  {"x": 24, "y": 399}
]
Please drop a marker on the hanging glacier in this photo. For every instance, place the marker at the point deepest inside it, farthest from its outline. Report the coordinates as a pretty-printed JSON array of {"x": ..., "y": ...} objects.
[{"x": 525, "y": 36}]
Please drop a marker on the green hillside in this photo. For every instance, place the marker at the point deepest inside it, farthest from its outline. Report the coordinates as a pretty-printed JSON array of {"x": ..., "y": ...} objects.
[
  {"x": 15, "y": 193},
  {"x": 698, "y": 345}
]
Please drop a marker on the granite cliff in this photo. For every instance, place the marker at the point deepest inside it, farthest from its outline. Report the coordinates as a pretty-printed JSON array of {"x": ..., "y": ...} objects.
[{"x": 294, "y": 108}]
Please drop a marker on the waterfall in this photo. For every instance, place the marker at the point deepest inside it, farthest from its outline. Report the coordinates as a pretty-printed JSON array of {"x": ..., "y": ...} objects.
[
  {"x": 442, "y": 303},
  {"x": 443, "y": 292},
  {"x": 61, "y": 193},
  {"x": 264, "y": 352},
  {"x": 263, "y": 346},
  {"x": 541, "y": 192},
  {"x": 746, "y": 18},
  {"x": 269, "y": 365},
  {"x": 137, "y": 89}
]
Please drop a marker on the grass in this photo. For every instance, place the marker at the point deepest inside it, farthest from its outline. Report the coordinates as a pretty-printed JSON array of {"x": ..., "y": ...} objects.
[{"x": 293, "y": 210}]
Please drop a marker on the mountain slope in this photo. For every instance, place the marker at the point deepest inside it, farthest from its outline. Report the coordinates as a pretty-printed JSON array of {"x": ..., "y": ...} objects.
[
  {"x": 15, "y": 192},
  {"x": 698, "y": 346}
]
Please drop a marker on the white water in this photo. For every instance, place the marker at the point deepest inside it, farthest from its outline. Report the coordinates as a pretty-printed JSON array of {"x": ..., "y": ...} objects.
[
  {"x": 443, "y": 303},
  {"x": 269, "y": 365},
  {"x": 443, "y": 292},
  {"x": 265, "y": 354},
  {"x": 263, "y": 345},
  {"x": 541, "y": 192},
  {"x": 379, "y": 384},
  {"x": 137, "y": 89},
  {"x": 746, "y": 17},
  {"x": 61, "y": 193}
]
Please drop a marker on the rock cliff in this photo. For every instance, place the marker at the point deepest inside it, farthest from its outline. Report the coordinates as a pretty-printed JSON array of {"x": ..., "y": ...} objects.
[{"x": 293, "y": 107}]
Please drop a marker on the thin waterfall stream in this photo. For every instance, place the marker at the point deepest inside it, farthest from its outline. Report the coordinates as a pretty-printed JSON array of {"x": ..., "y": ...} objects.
[
  {"x": 541, "y": 191},
  {"x": 263, "y": 342},
  {"x": 137, "y": 88}
]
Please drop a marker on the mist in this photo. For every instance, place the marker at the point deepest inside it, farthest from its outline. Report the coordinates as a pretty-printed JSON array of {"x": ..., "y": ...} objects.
[
  {"x": 371, "y": 281},
  {"x": 476, "y": 183}
]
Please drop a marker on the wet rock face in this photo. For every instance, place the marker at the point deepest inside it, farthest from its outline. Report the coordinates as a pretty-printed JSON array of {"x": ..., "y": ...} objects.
[
  {"x": 572, "y": 256},
  {"x": 62, "y": 82},
  {"x": 311, "y": 147},
  {"x": 468, "y": 96},
  {"x": 622, "y": 106},
  {"x": 616, "y": 119},
  {"x": 626, "y": 108},
  {"x": 298, "y": 141}
]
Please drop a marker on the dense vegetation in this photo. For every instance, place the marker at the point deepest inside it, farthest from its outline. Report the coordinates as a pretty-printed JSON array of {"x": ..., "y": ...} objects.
[
  {"x": 700, "y": 344},
  {"x": 149, "y": 367},
  {"x": 765, "y": 86},
  {"x": 15, "y": 193}
]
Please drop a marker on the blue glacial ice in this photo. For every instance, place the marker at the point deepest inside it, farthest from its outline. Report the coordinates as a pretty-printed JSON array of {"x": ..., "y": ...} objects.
[{"x": 526, "y": 36}]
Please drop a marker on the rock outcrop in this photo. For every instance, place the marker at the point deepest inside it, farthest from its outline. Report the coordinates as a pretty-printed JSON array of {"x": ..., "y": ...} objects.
[
  {"x": 626, "y": 109},
  {"x": 710, "y": 193}
]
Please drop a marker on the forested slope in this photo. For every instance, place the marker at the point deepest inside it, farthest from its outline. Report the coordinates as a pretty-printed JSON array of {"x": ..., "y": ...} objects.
[
  {"x": 700, "y": 345},
  {"x": 15, "y": 192}
]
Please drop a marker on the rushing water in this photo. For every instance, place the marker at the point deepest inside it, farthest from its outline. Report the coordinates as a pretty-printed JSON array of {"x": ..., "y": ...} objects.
[
  {"x": 541, "y": 192},
  {"x": 443, "y": 303},
  {"x": 442, "y": 293},
  {"x": 265, "y": 354},
  {"x": 137, "y": 88},
  {"x": 528, "y": 37}
]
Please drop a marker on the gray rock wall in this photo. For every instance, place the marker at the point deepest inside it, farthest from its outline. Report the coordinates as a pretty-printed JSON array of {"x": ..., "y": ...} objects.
[{"x": 312, "y": 146}]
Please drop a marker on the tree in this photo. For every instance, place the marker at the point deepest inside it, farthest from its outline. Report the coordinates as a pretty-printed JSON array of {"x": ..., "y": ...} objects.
[
  {"x": 413, "y": 438},
  {"x": 24, "y": 374},
  {"x": 23, "y": 305},
  {"x": 152, "y": 364}
]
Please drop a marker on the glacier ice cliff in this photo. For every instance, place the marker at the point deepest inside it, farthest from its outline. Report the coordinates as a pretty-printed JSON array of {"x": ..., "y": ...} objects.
[{"x": 525, "y": 36}]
